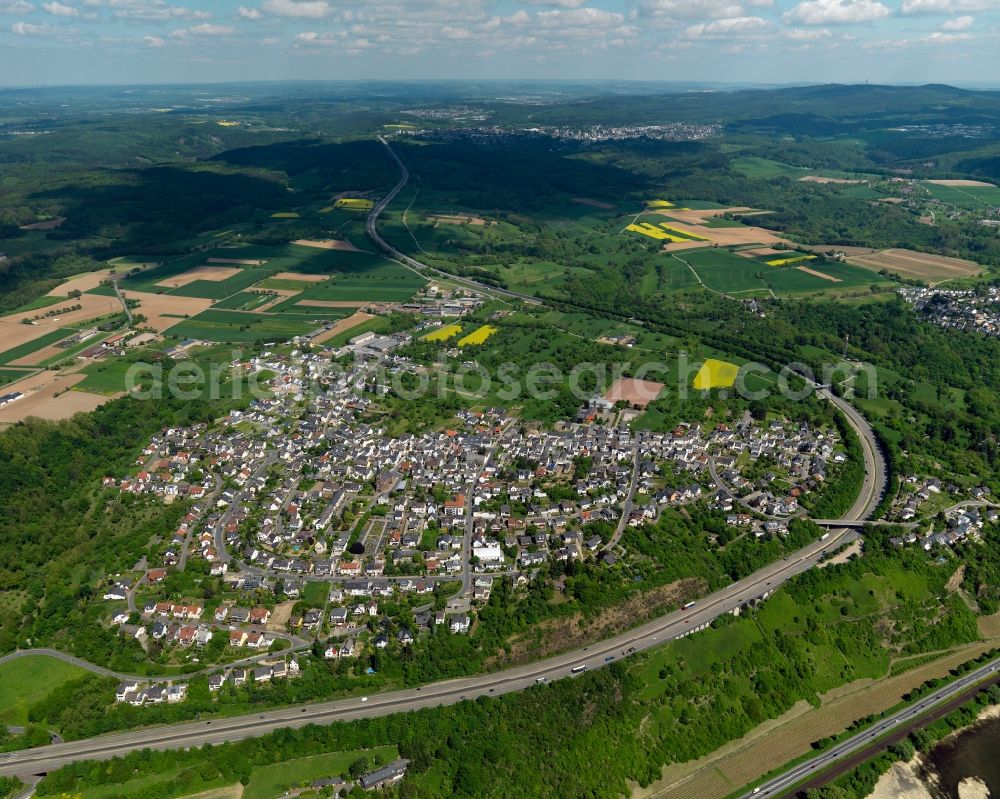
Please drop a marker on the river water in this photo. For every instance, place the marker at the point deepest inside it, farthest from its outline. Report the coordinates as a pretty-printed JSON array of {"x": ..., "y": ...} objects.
[{"x": 972, "y": 753}]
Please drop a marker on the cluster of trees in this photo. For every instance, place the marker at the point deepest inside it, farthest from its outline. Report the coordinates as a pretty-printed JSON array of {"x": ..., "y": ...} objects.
[{"x": 57, "y": 523}]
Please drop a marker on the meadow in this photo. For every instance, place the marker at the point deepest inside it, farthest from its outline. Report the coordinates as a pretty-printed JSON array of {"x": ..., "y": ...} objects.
[
  {"x": 969, "y": 197},
  {"x": 239, "y": 326},
  {"x": 27, "y": 680}
]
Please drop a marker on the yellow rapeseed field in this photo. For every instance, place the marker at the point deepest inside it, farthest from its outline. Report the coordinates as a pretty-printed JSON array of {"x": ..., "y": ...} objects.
[
  {"x": 716, "y": 374},
  {"x": 354, "y": 204},
  {"x": 646, "y": 229},
  {"x": 659, "y": 204},
  {"x": 443, "y": 333},
  {"x": 793, "y": 260},
  {"x": 477, "y": 336},
  {"x": 688, "y": 235}
]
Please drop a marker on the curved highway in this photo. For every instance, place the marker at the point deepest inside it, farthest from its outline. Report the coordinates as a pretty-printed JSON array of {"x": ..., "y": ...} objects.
[{"x": 665, "y": 628}]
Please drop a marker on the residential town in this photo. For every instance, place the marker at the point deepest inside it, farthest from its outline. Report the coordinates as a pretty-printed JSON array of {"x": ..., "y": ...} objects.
[
  {"x": 974, "y": 310},
  {"x": 313, "y": 518}
]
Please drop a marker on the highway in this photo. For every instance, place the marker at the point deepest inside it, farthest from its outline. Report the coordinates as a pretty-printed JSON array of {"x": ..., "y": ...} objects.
[
  {"x": 413, "y": 263},
  {"x": 785, "y": 782},
  {"x": 654, "y": 633},
  {"x": 651, "y": 634}
]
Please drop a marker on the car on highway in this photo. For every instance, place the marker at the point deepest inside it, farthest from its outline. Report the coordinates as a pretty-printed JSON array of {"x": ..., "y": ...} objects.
[
  {"x": 540, "y": 679},
  {"x": 364, "y": 699}
]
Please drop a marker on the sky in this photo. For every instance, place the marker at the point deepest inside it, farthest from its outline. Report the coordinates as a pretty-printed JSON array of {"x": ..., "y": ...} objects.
[{"x": 45, "y": 42}]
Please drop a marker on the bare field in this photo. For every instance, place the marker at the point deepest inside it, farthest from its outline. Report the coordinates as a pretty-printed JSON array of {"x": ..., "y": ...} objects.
[
  {"x": 814, "y": 273},
  {"x": 723, "y": 236},
  {"x": 743, "y": 761},
  {"x": 961, "y": 183},
  {"x": 279, "y": 618},
  {"x": 989, "y": 626},
  {"x": 85, "y": 282},
  {"x": 341, "y": 325},
  {"x": 213, "y": 273},
  {"x": 50, "y": 351},
  {"x": 155, "y": 306},
  {"x": 239, "y": 261},
  {"x": 44, "y": 403},
  {"x": 675, "y": 246},
  {"x": 327, "y": 244},
  {"x": 14, "y": 334},
  {"x": 634, "y": 392},
  {"x": 923, "y": 266},
  {"x": 761, "y": 252},
  {"x": 229, "y": 792},
  {"x": 594, "y": 203}
]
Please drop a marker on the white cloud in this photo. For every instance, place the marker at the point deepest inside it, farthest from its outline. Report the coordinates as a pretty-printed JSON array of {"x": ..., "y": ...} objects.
[
  {"x": 205, "y": 29},
  {"x": 836, "y": 12},
  {"x": 303, "y": 9},
  {"x": 28, "y": 29},
  {"x": 948, "y": 6},
  {"x": 249, "y": 13},
  {"x": 958, "y": 24},
  {"x": 153, "y": 41},
  {"x": 728, "y": 28},
  {"x": 60, "y": 10},
  {"x": 811, "y": 35},
  {"x": 585, "y": 17},
  {"x": 558, "y": 3},
  {"x": 947, "y": 38},
  {"x": 691, "y": 9},
  {"x": 149, "y": 10},
  {"x": 15, "y": 7}
]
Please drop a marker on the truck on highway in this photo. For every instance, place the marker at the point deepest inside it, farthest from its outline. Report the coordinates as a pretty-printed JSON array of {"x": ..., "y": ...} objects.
[
  {"x": 824, "y": 536},
  {"x": 578, "y": 669},
  {"x": 687, "y": 606}
]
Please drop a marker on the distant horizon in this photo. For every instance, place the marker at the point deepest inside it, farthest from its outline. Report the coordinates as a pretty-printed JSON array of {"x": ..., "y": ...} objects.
[
  {"x": 721, "y": 84},
  {"x": 96, "y": 42}
]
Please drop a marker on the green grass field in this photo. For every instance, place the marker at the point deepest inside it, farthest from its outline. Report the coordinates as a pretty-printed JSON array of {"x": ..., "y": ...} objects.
[
  {"x": 236, "y": 326},
  {"x": 35, "y": 345},
  {"x": 38, "y": 304},
  {"x": 10, "y": 375},
  {"x": 268, "y": 782},
  {"x": 27, "y": 680},
  {"x": 285, "y": 284},
  {"x": 971, "y": 197},
  {"x": 244, "y": 301}
]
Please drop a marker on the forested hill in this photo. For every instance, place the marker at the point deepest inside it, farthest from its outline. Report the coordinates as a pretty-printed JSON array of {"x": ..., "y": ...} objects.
[{"x": 55, "y": 523}]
